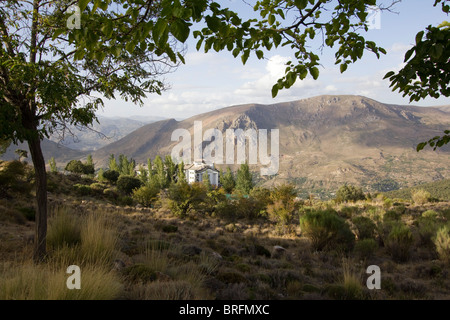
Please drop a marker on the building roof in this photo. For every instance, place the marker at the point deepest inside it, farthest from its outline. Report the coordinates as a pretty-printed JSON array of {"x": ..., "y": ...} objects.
[{"x": 199, "y": 166}]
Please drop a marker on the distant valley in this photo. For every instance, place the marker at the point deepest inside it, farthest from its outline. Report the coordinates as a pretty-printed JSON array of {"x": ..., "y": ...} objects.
[{"x": 325, "y": 141}]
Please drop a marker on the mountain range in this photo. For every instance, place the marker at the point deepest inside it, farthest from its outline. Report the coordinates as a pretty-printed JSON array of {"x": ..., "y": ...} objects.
[{"x": 324, "y": 141}]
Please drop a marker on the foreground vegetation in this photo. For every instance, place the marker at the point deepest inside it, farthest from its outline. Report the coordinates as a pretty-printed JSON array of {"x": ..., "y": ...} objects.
[{"x": 196, "y": 242}]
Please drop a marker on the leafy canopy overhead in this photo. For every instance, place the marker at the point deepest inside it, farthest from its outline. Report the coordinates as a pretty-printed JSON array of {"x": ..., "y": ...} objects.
[
  {"x": 426, "y": 72},
  {"x": 277, "y": 23}
]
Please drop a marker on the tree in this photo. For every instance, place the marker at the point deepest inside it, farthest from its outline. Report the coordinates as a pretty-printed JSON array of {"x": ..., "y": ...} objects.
[
  {"x": 50, "y": 70},
  {"x": 111, "y": 175},
  {"x": 160, "y": 173},
  {"x": 52, "y": 164},
  {"x": 181, "y": 176},
  {"x": 244, "y": 180},
  {"x": 143, "y": 174},
  {"x": 127, "y": 184},
  {"x": 53, "y": 61},
  {"x": 75, "y": 166},
  {"x": 171, "y": 169},
  {"x": 112, "y": 163},
  {"x": 206, "y": 182},
  {"x": 21, "y": 153},
  {"x": 90, "y": 161},
  {"x": 426, "y": 72},
  {"x": 4, "y": 144},
  {"x": 228, "y": 182}
]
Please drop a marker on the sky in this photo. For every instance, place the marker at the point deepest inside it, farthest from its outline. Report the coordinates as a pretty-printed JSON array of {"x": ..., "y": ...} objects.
[{"x": 216, "y": 80}]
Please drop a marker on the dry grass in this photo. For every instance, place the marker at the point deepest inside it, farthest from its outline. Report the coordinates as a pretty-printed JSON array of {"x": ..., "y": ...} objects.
[{"x": 46, "y": 282}]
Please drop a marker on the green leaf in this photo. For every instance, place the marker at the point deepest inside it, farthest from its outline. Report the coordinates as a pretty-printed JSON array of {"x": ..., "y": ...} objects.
[
  {"x": 419, "y": 36},
  {"x": 180, "y": 56},
  {"x": 158, "y": 29},
  {"x": 314, "y": 72},
  {"x": 245, "y": 56},
  {"x": 271, "y": 19},
  {"x": 389, "y": 74},
  {"x": 275, "y": 90},
  {"x": 259, "y": 54},
  {"x": 408, "y": 54},
  {"x": 57, "y": 33},
  {"x": 343, "y": 67},
  {"x": 213, "y": 23},
  {"x": 301, "y": 4},
  {"x": 83, "y": 4},
  {"x": 180, "y": 30}
]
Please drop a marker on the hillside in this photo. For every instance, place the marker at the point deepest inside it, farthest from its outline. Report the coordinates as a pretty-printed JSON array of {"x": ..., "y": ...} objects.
[
  {"x": 325, "y": 141},
  {"x": 439, "y": 190},
  {"x": 106, "y": 131},
  {"x": 50, "y": 149}
]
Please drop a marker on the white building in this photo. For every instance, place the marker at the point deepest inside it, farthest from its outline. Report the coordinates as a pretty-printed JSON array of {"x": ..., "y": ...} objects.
[{"x": 194, "y": 173}]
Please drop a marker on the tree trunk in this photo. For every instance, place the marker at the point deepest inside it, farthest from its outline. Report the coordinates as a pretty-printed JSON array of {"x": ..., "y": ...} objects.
[{"x": 40, "y": 237}]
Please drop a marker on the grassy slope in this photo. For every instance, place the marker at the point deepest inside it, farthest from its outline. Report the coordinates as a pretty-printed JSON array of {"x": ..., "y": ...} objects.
[{"x": 166, "y": 257}]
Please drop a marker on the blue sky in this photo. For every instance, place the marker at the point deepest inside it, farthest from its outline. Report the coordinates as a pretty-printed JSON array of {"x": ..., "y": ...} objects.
[{"x": 216, "y": 80}]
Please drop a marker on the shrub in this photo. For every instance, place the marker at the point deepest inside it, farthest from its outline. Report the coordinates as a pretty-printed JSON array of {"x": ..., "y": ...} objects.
[
  {"x": 127, "y": 184},
  {"x": 365, "y": 248},
  {"x": 97, "y": 188},
  {"x": 125, "y": 201},
  {"x": 78, "y": 167},
  {"x": 283, "y": 209},
  {"x": 427, "y": 227},
  {"x": 348, "y": 193},
  {"x": 14, "y": 177},
  {"x": 442, "y": 242},
  {"x": 387, "y": 203},
  {"x": 420, "y": 196},
  {"x": 145, "y": 195},
  {"x": 431, "y": 214},
  {"x": 248, "y": 207},
  {"x": 185, "y": 198},
  {"x": 326, "y": 230},
  {"x": 111, "y": 193},
  {"x": 365, "y": 227},
  {"x": 399, "y": 242},
  {"x": 111, "y": 175},
  {"x": 348, "y": 211},
  {"x": 82, "y": 190},
  {"x": 391, "y": 215},
  {"x": 226, "y": 210}
]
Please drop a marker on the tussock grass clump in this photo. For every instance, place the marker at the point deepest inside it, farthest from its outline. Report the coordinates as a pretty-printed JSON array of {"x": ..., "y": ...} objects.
[
  {"x": 350, "y": 285},
  {"x": 81, "y": 240},
  {"x": 48, "y": 282},
  {"x": 64, "y": 229}
]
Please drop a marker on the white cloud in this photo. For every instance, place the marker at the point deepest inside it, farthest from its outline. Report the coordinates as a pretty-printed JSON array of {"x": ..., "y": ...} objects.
[
  {"x": 400, "y": 47},
  {"x": 331, "y": 88},
  {"x": 274, "y": 70}
]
